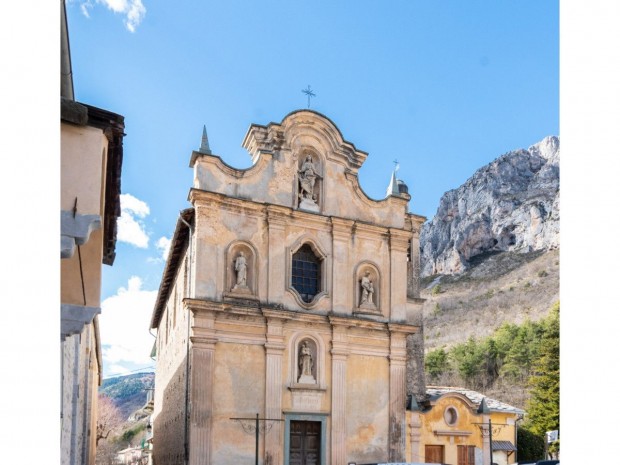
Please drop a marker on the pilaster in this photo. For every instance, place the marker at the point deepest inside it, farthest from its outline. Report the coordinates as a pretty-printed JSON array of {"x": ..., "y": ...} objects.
[
  {"x": 399, "y": 243},
  {"x": 415, "y": 435},
  {"x": 342, "y": 301},
  {"x": 398, "y": 394},
  {"x": 274, "y": 350},
  {"x": 202, "y": 363},
  {"x": 276, "y": 221},
  {"x": 340, "y": 352}
]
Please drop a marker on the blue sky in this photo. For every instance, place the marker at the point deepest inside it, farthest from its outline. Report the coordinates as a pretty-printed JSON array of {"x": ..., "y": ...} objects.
[{"x": 443, "y": 87}]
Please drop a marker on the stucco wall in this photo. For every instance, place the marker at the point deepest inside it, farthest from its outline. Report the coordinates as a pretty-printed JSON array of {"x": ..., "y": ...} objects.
[
  {"x": 240, "y": 387},
  {"x": 367, "y": 408}
]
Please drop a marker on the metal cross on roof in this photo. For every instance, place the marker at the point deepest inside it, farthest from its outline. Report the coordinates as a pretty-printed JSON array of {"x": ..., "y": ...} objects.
[
  {"x": 309, "y": 93},
  {"x": 396, "y": 165}
]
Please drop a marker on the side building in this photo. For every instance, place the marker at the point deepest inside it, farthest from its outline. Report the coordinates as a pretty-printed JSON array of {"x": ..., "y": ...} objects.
[
  {"x": 289, "y": 300},
  {"x": 91, "y": 155},
  {"x": 462, "y": 427}
]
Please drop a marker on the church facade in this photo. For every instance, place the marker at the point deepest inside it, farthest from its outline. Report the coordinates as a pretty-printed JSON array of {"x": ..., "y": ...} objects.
[{"x": 289, "y": 301}]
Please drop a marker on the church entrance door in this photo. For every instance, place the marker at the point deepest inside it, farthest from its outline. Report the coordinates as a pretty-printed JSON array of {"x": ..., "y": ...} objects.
[{"x": 305, "y": 445}]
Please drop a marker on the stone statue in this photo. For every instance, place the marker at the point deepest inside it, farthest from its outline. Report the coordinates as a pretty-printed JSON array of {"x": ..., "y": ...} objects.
[
  {"x": 367, "y": 291},
  {"x": 306, "y": 364},
  {"x": 242, "y": 270},
  {"x": 307, "y": 179}
]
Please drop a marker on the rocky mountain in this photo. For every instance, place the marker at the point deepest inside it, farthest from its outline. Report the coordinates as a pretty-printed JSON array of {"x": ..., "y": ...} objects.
[{"x": 510, "y": 205}]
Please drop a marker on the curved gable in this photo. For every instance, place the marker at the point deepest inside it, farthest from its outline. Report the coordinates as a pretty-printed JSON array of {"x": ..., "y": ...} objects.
[{"x": 279, "y": 175}]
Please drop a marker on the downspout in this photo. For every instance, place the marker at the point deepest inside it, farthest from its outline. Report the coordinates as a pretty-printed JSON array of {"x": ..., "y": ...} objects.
[{"x": 189, "y": 281}]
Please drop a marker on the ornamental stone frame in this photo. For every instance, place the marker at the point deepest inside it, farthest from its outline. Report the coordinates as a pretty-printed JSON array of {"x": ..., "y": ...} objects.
[
  {"x": 316, "y": 161},
  {"x": 318, "y": 351},
  {"x": 233, "y": 251},
  {"x": 322, "y": 256},
  {"x": 375, "y": 277}
]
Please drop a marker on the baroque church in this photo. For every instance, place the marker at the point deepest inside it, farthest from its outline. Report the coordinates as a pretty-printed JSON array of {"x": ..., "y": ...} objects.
[{"x": 290, "y": 303}]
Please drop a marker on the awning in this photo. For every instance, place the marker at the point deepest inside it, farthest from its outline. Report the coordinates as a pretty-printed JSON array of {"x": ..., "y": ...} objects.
[{"x": 504, "y": 445}]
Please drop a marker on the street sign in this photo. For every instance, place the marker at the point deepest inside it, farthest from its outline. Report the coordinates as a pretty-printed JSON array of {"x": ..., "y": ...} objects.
[{"x": 552, "y": 436}]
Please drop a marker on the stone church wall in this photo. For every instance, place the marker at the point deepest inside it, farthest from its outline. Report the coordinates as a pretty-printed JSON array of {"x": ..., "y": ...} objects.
[{"x": 169, "y": 414}]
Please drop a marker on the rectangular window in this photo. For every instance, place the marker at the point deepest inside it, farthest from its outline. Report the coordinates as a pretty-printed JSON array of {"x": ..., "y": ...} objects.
[
  {"x": 433, "y": 454},
  {"x": 466, "y": 455}
]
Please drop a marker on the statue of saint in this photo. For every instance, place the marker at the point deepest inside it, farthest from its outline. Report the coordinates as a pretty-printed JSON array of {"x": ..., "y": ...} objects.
[
  {"x": 367, "y": 290},
  {"x": 305, "y": 364},
  {"x": 307, "y": 178},
  {"x": 241, "y": 269}
]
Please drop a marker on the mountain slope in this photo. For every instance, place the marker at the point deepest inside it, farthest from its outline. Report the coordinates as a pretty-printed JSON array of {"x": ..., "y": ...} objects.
[
  {"x": 504, "y": 287},
  {"x": 130, "y": 392}
]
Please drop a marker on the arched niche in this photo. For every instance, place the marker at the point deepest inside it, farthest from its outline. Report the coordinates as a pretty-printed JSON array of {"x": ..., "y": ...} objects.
[
  {"x": 241, "y": 268},
  {"x": 310, "y": 174},
  {"x": 367, "y": 282},
  {"x": 301, "y": 345}
]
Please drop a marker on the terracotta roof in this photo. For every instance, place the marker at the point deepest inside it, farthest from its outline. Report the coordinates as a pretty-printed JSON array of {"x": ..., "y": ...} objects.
[{"x": 434, "y": 392}]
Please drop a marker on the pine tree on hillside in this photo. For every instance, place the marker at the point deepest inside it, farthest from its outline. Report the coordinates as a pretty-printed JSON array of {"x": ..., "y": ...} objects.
[{"x": 543, "y": 408}]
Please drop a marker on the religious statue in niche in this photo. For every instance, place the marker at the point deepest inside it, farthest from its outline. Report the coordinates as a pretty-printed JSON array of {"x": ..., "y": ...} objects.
[
  {"x": 241, "y": 268},
  {"x": 368, "y": 290},
  {"x": 308, "y": 175},
  {"x": 306, "y": 364}
]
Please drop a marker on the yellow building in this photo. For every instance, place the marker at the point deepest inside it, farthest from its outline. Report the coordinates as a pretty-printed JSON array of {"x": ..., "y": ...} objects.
[{"x": 453, "y": 427}]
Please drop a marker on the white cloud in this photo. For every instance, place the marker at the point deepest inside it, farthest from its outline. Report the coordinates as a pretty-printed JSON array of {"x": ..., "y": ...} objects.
[
  {"x": 163, "y": 244},
  {"x": 134, "y": 205},
  {"x": 133, "y": 10},
  {"x": 130, "y": 228},
  {"x": 124, "y": 324}
]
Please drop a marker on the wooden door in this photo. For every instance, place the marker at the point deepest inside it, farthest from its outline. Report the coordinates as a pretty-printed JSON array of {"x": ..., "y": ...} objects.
[
  {"x": 433, "y": 454},
  {"x": 305, "y": 443},
  {"x": 466, "y": 455}
]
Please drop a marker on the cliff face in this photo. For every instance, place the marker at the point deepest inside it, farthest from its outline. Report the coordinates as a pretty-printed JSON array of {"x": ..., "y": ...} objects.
[{"x": 511, "y": 204}]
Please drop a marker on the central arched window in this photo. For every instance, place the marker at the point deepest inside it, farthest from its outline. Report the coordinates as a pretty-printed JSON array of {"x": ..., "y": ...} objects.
[{"x": 306, "y": 273}]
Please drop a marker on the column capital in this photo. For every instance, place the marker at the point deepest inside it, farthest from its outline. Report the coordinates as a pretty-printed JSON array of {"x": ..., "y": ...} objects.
[
  {"x": 341, "y": 228},
  {"x": 277, "y": 216},
  {"x": 399, "y": 239}
]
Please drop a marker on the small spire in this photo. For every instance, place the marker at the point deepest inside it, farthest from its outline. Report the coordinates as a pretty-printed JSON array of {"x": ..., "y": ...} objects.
[
  {"x": 204, "y": 145},
  {"x": 483, "y": 408},
  {"x": 393, "y": 187}
]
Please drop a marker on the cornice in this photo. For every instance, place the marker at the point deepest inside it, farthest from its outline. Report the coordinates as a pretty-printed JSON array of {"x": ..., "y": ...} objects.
[
  {"x": 403, "y": 328},
  {"x": 399, "y": 239},
  {"x": 369, "y": 231}
]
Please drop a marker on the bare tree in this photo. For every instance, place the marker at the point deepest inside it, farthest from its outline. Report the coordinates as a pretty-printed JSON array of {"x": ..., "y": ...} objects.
[{"x": 109, "y": 417}]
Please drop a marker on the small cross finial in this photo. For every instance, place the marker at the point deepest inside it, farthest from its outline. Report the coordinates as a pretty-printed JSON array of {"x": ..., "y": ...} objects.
[
  {"x": 396, "y": 165},
  {"x": 309, "y": 93}
]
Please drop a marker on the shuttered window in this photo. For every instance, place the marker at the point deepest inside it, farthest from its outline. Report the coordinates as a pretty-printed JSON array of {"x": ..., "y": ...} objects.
[{"x": 466, "y": 455}]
